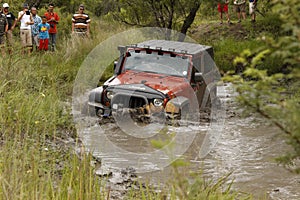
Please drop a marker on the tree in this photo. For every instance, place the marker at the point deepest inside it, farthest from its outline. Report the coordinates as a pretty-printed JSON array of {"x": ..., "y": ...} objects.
[
  {"x": 171, "y": 14},
  {"x": 276, "y": 96}
]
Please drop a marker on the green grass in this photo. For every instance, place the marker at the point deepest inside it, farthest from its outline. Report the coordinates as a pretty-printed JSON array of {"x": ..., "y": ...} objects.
[
  {"x": 35, "y": 122},
  {"x": 227, "y": 49},
  {"x": 229, "y": 41}
]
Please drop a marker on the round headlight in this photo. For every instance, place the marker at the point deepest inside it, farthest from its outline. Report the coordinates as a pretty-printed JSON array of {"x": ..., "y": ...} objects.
[
  {"x": 110, "y": 94},
  {"x": 158, "y": 102}
]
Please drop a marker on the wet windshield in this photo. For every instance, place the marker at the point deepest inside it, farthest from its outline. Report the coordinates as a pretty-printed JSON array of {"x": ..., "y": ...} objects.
[{"x": 160, "y": 63}]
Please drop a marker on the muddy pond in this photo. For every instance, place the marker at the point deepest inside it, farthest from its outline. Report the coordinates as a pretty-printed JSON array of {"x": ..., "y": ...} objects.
[{"x": 247, "y": 148}]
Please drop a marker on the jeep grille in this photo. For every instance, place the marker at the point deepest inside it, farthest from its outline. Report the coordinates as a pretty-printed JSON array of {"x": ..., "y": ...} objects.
[{"x": 129, "y": 101}]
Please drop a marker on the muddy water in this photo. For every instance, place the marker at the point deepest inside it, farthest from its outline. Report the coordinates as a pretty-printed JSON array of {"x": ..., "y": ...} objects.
[{"x": 246, "y": 148}]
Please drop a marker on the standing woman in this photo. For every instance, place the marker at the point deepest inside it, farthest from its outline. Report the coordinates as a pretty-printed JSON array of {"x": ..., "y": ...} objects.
[{"x": 52, "y": 19}]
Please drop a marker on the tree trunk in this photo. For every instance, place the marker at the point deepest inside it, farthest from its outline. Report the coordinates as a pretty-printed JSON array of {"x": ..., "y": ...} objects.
[
  {"x": 171, "y": 11},
  {"x": 189, "y": 20}
]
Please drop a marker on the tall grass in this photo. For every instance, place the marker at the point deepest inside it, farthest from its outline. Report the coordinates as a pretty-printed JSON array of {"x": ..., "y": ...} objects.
[{"x": 37, "y": 161}]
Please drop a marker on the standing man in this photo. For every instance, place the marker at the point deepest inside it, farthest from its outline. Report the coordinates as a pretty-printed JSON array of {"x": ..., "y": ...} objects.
[
  {"x": 34, "y": 28},
  {"x": 3, "y": 30},
  {"x": 26, "y": 20},
  {"x": 81, "y": 23},
  {"x": 12, "y": 21},
  {"x": 240, "y": 7},
  {"x": 52, "y": 19}
]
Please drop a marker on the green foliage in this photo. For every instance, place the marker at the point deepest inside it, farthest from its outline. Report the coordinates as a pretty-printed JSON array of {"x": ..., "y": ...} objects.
[
  {"x": 276, "y": 95},
  {"x": 227, "y": 50},
  {"x": 271, "y": 23},
  {"x": 170, "y": 14},
  {"x": 194, "y": 186},
  {"x": 208, "y": 9},
  {"x": 190, "y": 186}
]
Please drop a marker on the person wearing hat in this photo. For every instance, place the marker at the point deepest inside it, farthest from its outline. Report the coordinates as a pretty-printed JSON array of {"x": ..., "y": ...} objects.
[
  {"x": 12, "y": 21},
  {"x": 52, "y": 19},
  {"x": 3, "y": 30},
  {"x": 26, "y": 20},
  {"x": 81, "y": 23}
]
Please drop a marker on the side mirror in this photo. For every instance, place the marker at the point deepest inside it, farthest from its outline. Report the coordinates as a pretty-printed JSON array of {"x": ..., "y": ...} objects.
[
  {"x": 115, "y": 65},
  {"x": 199, "y": 77},
  {"x": 122, "y": 49}
]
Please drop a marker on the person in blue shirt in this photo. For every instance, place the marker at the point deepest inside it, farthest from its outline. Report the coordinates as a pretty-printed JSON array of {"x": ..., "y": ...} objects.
[{"x": 44, "y": 34}]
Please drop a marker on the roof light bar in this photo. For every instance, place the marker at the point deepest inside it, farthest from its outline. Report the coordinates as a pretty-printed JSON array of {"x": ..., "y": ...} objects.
[{"x": 184, "y": 51}]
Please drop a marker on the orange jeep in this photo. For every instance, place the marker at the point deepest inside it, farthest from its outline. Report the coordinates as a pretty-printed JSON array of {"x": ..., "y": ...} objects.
[{"x": 158, "y": 78}]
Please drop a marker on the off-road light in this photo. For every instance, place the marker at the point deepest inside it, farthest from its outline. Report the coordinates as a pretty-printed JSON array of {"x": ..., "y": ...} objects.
[
  {"x": 110, "y": 94},
  {"x": 158, "y": 102}
]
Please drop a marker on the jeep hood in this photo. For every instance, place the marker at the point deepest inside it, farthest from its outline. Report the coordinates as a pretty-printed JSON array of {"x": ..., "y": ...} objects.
[{"x": 160, "y": 82}]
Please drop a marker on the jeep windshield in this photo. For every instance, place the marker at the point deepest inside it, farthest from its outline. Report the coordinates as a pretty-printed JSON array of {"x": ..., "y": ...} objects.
[{"x": 157, "y": 62}]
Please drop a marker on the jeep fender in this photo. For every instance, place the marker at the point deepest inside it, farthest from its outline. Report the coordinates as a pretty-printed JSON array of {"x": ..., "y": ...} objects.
[
  {"x": 210, "y": 95},
  {"x": 177, "y": 104},
  {"x": 95, "y": 95}
]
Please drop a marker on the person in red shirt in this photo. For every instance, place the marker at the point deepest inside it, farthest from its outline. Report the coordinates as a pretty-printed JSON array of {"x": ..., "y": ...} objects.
[{"x": 52, "y": 19}]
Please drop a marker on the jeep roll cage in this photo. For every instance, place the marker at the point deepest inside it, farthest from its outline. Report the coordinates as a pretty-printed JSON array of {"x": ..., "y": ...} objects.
[{"x": 201, "y": 54}]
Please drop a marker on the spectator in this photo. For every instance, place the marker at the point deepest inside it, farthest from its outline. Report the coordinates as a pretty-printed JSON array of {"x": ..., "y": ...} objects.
[
  {"x": 34, "y": 28},
  {"x": 43, "y": 29},
  {"x": 252, "y": 9},
  {"x": 12, "y": 21},
  {"x": 223, "y": 8},
  {"x": 3, "y": 30},
  {"x": 81, "y": 23},
  {"x": 52, "y": 20},
  {"x": 240, "y": 7},
  {"x": 26, "y": 20}
]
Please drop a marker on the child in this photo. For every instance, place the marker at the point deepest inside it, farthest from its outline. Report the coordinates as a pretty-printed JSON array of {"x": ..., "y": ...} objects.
[{"x": 43, "y": 34}]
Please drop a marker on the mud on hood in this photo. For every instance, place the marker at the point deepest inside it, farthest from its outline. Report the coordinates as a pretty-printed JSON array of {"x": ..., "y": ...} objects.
[{"x": 143, "y": 81}]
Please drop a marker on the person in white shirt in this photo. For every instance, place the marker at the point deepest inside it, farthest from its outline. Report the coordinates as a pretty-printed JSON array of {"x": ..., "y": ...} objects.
[{"x": 26, "y": 20}]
